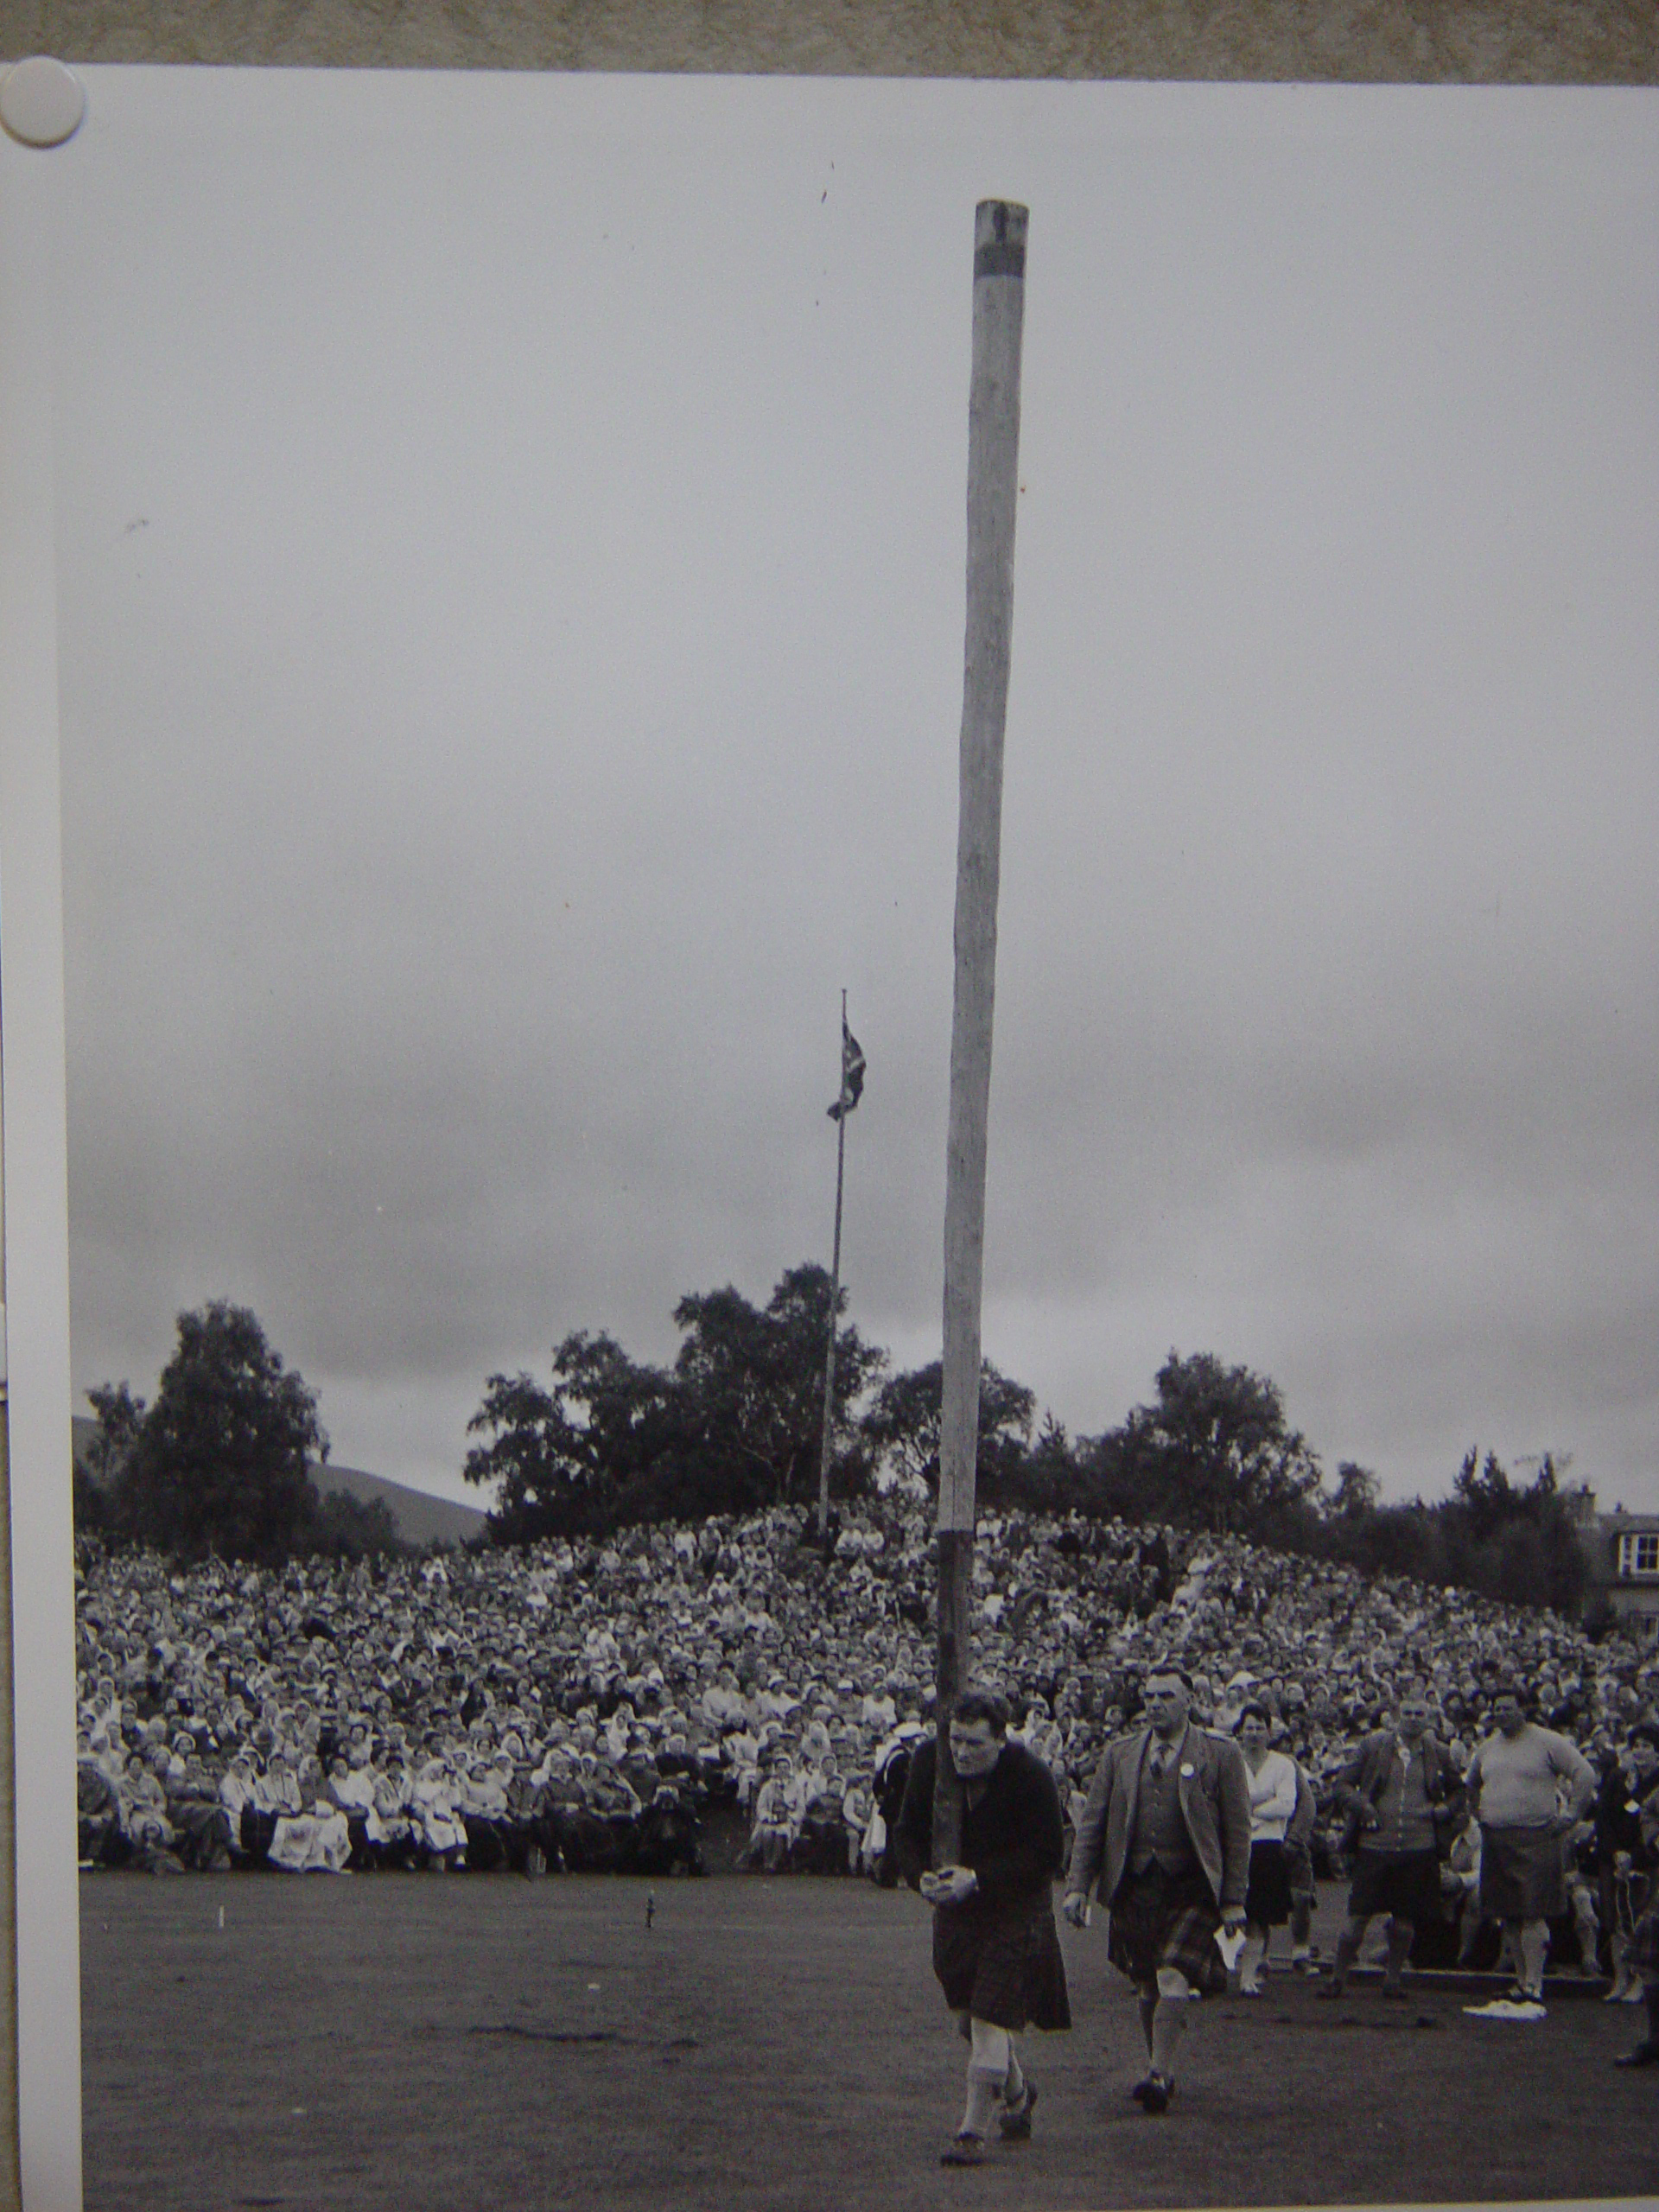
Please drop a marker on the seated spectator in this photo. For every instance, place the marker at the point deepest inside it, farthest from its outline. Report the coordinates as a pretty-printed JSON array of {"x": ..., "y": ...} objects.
[
  {"x": 820, "y": 1845},
  {"x": 351, "y": 1791},
  {"x": 668, "y": 1841},
  {"x": 857, "y": 1805},
  {"x": 201, "y": 1826},
  {"x": 394, "y": 1795},
  {"x": 771, "y": 1836},
  {"x": 101, "y": 1838},
  {"x": 437, "y": 1825},
  {"x": 304, "y": 1842},
  {"x": 482, "y": 1808}
]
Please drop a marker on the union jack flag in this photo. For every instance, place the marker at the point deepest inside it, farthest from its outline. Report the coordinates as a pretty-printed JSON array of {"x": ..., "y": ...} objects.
[{"x": 852, "y": 1073}]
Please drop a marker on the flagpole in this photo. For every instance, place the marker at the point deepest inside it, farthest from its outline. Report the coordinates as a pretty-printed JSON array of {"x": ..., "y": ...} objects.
[{"x": 835, "y": 1295}]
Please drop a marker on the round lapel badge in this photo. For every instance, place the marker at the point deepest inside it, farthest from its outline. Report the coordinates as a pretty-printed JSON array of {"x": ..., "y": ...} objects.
[{"x": 41, "y": 102}]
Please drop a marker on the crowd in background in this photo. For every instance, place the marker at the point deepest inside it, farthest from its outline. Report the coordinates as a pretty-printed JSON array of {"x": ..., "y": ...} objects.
[{"x": 595, "y": 1705}]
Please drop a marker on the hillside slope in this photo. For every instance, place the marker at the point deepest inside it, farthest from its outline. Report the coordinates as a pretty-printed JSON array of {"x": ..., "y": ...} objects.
[{"x": 420, "y": 1518}]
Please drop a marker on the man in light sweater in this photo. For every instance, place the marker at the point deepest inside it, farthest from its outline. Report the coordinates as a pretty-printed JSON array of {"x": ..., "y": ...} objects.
[{"x": 1515, "y": 1781}]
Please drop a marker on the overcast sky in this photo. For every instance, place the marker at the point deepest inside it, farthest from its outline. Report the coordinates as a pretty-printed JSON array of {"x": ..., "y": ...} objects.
[{"x": 511, "y": 578}]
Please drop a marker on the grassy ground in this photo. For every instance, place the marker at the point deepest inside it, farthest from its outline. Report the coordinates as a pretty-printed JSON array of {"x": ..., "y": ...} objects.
[{"x": 451, "y": 2045}]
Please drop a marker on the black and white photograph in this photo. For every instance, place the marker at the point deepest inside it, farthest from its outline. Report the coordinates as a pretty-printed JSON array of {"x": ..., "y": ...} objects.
[{"x": 861, "y": 1041}]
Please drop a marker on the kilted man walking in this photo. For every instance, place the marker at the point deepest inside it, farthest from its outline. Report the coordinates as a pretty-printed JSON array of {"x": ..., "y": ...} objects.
[
  {"x": 1167, "y": 1834},
  {"x": 995, "y": 1949}
]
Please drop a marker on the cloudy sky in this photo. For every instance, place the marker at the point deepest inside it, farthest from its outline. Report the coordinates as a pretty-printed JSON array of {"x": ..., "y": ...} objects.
[{"x": 511, "y": 543}]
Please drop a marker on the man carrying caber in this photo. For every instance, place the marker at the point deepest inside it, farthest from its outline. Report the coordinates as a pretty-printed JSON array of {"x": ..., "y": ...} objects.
[{"x": 995, "y": 1949}]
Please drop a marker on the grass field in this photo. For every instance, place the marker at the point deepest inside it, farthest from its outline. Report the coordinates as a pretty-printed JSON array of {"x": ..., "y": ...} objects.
[{"x": 460, "y": 2044}]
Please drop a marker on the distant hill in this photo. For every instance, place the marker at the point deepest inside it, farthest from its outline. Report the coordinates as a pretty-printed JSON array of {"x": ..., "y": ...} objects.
[{"x": 420, "y": 1518}]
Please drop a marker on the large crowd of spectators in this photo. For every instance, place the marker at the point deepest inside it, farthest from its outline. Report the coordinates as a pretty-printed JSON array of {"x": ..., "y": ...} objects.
[{"x": 598, "y": 1705}]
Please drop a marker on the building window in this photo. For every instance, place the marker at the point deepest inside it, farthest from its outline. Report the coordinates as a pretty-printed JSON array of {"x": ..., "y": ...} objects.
[{"x": 1639, "y": 1555}]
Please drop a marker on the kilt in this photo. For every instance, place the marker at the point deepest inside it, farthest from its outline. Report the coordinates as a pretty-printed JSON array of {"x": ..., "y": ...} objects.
[
  {"x": 1522, "y": 1873},
  {"x": 1164, "y": 1920},
  {"x": 1406, "y": 1883},
  {"x": 1643, "y": 1952},
  {"x": 1002, "y": 1963},
  {"x": 1267, "y": 1902},
  {"x": 1298, "y": 1866},
  {"x": 1632, "y": 1894}
]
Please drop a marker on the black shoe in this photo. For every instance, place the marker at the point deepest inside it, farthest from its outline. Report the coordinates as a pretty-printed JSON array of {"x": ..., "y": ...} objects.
[
  {"x": 1331, "y": 1989},
  {"x": 1394, "y": 1990},
  {"x": 1156, "y": 2092},
  {"x": 1645, "y": 2054},
  {"x": 964, "y": 2149},
  {"x": 1015, "y": 2125}
]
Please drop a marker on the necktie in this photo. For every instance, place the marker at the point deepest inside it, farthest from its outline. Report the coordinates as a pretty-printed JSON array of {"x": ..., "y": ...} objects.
[{"x": 1160, "y": 1760}]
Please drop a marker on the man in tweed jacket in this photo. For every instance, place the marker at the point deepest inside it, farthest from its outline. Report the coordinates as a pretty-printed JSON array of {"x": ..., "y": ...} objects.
[{"x": 1166, "y": 1834}]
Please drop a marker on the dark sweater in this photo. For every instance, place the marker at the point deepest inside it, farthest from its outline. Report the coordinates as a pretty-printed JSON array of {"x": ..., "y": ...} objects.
[{"x": 1013, "y": 1839}]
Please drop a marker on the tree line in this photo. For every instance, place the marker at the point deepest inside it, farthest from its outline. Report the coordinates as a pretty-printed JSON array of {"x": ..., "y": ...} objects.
[{"x": 221, "y": 1462}]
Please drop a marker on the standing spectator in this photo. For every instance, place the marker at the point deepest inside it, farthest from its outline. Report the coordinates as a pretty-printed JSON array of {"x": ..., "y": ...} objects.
[
  {"x": 1460, "y": 1887},
  {"x": 1299, "y": 1861},
  {"x": 1272, "y": 1800},
  {"x": 892, "y": 1774},
  {"x": 1515, "y": 1782},
  {"x": 1636, "y": 1887},
  {"x": 1629, "y": 1775},
  {"x": 1402, "y": 1795}
]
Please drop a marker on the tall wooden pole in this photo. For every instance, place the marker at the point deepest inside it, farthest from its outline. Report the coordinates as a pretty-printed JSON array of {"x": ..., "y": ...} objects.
[
  {"x": 826, "y": 1444},
  {"x": 993, "y": 496}
]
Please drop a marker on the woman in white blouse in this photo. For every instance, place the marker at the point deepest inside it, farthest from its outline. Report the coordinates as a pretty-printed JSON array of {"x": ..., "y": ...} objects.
[{"x": 1272, "y": 1800}]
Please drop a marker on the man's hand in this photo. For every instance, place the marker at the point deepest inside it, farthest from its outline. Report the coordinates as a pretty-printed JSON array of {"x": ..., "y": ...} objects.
[
  {"x": 1370, "y": 1819},
  {"x": 1076, "y": 1907},
  {"x": 1232, "y": 1916},
  {"x": 950, "y": 1886}
]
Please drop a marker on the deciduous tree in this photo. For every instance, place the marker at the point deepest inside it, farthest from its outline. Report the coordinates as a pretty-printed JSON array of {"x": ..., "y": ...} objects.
[
  {"x": 1215, "y": 1450},
  {"x": 903, "y": 1429},
  {"x": 219, "y": 1463}
]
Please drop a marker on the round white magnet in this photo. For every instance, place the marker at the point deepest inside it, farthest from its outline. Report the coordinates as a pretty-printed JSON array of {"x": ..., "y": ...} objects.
[{"x": 41, "y": 102}]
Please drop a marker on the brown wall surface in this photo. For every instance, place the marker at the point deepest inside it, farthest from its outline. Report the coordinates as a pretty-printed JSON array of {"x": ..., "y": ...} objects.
[
  {"x": 1358, "y": 42},
  {"x": 1501, "y": 42}
]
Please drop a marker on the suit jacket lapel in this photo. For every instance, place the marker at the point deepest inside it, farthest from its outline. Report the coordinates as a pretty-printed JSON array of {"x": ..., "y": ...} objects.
[
  {"x": 1134, "y": 1798},
  {"x": 1183, "y": 1783}
]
